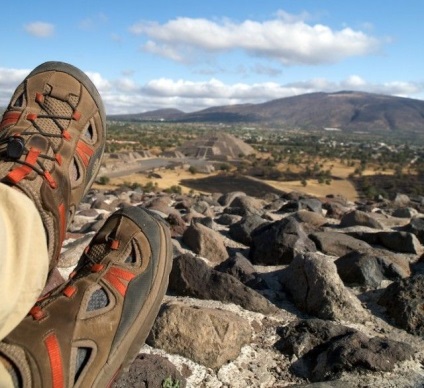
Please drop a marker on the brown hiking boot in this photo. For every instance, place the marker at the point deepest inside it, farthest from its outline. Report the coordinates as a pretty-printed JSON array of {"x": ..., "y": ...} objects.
[
  {"x": 90, "y": 328},
  {"x": 52, "y": 137}
]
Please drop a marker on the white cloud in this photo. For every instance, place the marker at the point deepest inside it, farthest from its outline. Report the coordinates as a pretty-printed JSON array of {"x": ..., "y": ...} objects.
[
  {"x": 9, "y": 79},
  {"x": 40, "y": 29},
  {"x": 102, "y": 84},
  {"x": 91, "y": 23},
  {"x": 125, "y": 95},
  {"x": 286, "y": 38}
]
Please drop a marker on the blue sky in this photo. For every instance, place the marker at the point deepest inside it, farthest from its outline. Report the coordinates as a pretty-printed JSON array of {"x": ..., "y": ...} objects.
[{"x": 190, "y": 55}]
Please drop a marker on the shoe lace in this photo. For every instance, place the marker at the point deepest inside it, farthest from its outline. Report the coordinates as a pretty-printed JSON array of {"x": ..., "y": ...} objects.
[{"x": 13, "y": 146}]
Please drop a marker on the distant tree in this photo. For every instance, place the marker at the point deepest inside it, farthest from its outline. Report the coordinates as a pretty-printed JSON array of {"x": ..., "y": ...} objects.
[
  {"x": 192, "y": 170},
  {"x": 174, "y": 189},
  {"x": 103, "y": 180},
  {"x": 225, "y": 167}
]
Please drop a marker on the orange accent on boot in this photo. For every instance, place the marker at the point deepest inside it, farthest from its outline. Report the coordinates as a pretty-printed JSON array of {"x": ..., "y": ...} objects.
[
  {"x": 72, "y": 274},
  {"x": 85, "y": 152},
  {"x": 50, "y": 179},
  {"x": 37, "y": 313},
  {"x": 97, "y": 267},
  {"x": 69, "y": 291},
  {"x": 77, "y": 115},
  {"x": 66, "y": 135},
  {"x": 31, "y": 116},
  {"x": 53, "y": 350},
  {"x": 39, "y": 98},
  {"x": 114, "y": 244},
  {"x": 58, "y": 158},
  {"x": 21, "y": 172},
  {"x": 115, "y": 277},
  {"x": 62, "y": 223},
  {"x": 9, "y": 118}
]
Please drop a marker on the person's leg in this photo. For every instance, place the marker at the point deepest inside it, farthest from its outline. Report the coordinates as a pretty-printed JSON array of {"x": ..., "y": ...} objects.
[
  {"x": 89, "y": 329},
  {"x": 52, "y": 137},
  {"x": 24, "y": 260}
]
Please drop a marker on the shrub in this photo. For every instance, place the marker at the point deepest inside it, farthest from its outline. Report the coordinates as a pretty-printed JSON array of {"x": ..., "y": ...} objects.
[{"x": 103, "y": 180}]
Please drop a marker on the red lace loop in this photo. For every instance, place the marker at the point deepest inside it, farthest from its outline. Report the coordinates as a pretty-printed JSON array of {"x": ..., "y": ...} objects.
[
  {"x": 37, "y": 313},
  {"x": 97, "y": 267},
  {"x": 69, "y": 291}
]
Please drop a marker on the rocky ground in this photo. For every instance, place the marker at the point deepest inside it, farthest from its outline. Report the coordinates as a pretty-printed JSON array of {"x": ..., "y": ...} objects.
[{"x": 282, "y": 290}]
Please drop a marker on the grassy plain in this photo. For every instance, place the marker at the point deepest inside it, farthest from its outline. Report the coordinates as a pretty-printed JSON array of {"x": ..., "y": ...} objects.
[{"x": 340, "y": 183}]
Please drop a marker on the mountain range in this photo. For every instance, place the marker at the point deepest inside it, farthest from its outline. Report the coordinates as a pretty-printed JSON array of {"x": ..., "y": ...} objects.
[{"x": 345, "y": 110}]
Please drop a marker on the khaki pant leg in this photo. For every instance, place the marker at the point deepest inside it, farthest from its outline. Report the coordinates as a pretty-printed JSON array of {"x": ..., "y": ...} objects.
[
  {"x": 5, "y": 378},
  {"x": 24, "y": 259}
]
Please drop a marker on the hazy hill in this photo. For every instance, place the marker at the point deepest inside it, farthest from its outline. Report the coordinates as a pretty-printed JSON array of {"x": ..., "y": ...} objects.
[
  {"x": 154, "y": 115},
  {"x": 346, "y": 110}
]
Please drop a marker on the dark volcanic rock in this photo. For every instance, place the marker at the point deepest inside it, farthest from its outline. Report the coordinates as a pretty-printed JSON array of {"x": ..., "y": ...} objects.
[
  {"x": 400, "y": 241},
  {"x": 227, "y": 198},
  {"x": 326, "y": 350},
  {"x": 416, "y": 226},
  {"x": 242, "y": 269},
  {"x": 316, "y": 288},
  {"x": 206, "y": 221},
  {"x": 205, "y": 242},
  {"x": 246, "y": 205},
  {"x": 242, "y": 230},
  {"x": 177, "y": 225},
  {"x": 149, "y": 370},
  {"x": 371, "y": 267},
  {"x": 404, "y": 212},
  {"x": 360, "y": 218},
  {"x": 337, "y": 244},
  {"x": 310, "y": 204},
  {"x": 228, "y": 219},
  {"x": 204, "y": 208},
  {"x": 312, "y": 219},
  {"x": 278, "y": 242},
  {"x": 404, "y": 302},
  {"x": 190, "y": 276}
]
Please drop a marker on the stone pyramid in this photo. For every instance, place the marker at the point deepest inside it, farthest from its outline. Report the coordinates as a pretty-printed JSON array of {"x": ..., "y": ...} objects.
[{"x": 218, "y": 145}]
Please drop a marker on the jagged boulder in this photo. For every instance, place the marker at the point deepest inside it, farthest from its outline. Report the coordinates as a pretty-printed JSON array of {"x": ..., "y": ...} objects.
[
  {"x": 242, "y": 269},
  {"x": 337, "y": 243},
  {"x": 316, "y": 288},
  {"x": 205, "y": 242},
  {"x": 242, "y": 230},
  {"x": 360, "y": 218},
  {"x": 370, "y": 268},
  {"x": 326, "y": 350},
  {"x": 191, "y": 276},
  {"x": 416, "y": 226},
  {"x": 150, "y": 370},
  {"x": 404, "y": 302},
  {"x": 278, "y": 242}
]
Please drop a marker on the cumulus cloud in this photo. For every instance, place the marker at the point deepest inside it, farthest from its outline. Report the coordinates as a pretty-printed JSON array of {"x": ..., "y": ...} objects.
[
  {"x": 40, "y": 29},
  {"x": 286, "y": 38},
  {"x": 90, "y": 23},
  {"x": 9, "y": 79},
  {"x": 125, "y": 95}
]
